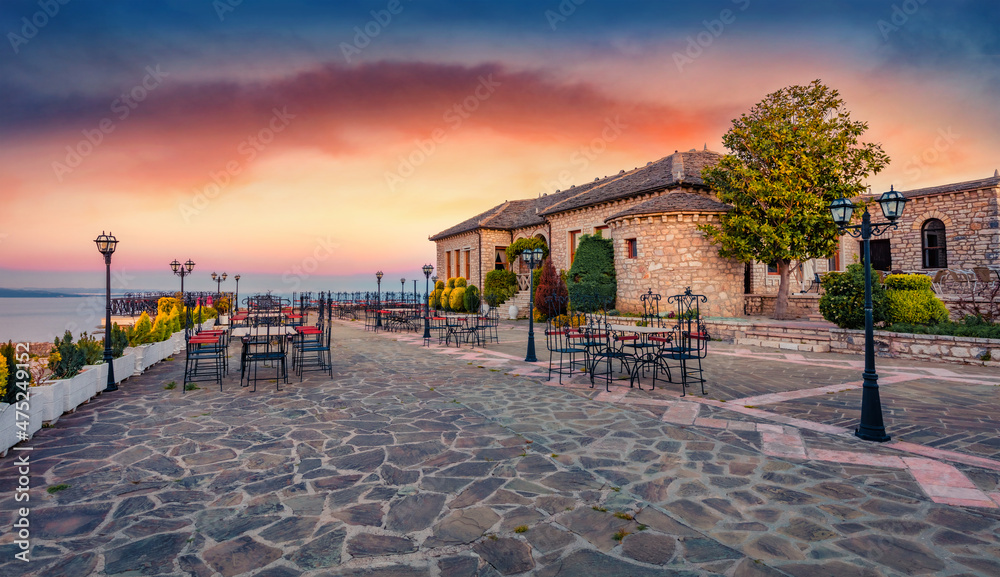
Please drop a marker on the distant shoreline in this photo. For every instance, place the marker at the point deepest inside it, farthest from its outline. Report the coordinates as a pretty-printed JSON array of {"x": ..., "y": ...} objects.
[{"x": 35, "y": 294}]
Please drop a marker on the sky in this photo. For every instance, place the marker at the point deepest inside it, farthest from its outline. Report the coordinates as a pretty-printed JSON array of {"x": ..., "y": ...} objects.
[{"x": 307, "y": 144}]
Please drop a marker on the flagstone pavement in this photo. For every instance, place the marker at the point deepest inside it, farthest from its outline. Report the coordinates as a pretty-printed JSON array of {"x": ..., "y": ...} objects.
[{"x": 437, "y": 461}]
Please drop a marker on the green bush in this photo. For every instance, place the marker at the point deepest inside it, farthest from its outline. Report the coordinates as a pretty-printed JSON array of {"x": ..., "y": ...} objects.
[
  {"x": 919, "y": 307},
  {"x": 439, "y": 285},
  {"x": 119, "y": 340},
  {"x": 451, "y": 283},
  {"x": 908, "y": 282},
  {"x": 92, "y": 349},
  {"x": 460, "y": 282},
  {"x": 591, "y": 280},
  {"x": 66, "y": 359},
  {"x": 522, "y": 244},
  {"x": 970, "y": 326},
  {"x": 843, "y": 303},
  {"x": 472, "y": 299},
  {"x": 457, "y": 299},
  {"x": 499, "y": 286},
  {"x": 139, "y": 333}
]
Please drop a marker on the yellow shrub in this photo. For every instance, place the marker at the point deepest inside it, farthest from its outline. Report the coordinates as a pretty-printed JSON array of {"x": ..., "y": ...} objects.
[
  {"x": 3, "y": 376},
  {"x": 915, "y": 307},
  {"x": 451, "y": 283},
  {"x": 461, "y": 282},
  {"x": 439, "y": 285},
  {"x": 446, "y": 297},
  {"x": 457, "y": 299}
]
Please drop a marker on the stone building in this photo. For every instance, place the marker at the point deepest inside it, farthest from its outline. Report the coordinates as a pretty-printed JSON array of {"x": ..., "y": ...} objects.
[
  {"x": 949, "y": 226},
  {"x": 652, "y": 214}
]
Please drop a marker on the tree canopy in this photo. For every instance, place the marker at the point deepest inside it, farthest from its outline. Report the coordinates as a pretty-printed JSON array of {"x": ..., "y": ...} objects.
[
  {"x": 591, "y": 282},
  {"x": 795, "y": 151}
]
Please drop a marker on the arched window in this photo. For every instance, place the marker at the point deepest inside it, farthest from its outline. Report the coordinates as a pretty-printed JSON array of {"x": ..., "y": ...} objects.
[{"x": 934, "y": 249}]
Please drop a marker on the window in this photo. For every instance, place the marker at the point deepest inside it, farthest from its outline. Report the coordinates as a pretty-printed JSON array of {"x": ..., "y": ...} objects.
[
  {"x": 833, "y": 263},
  {"x": 447, "y": 260},
  {"x": 881, "y": 253},
  {"x": 574, "y": 239},
  {"x": 599, "y": 231},
  {"x": 772, "y": 268},
  {"x": 500, "y": 262},
  {"x": 631, "y": 251},
  {"x": 934, "y": 249},
  {"x": 467, "y": 259}
]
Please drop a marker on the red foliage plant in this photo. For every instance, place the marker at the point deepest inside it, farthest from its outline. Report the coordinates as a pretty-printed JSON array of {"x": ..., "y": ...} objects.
[{"x": 551, "y": 288}]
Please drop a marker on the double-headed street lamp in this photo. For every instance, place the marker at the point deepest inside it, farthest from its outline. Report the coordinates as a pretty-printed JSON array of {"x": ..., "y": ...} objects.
[
  {"x": 106, "y": 244},
  {"x": 428, "y": 269},
  {"x": 218, "y": 282},
  {"x": 532, "y": 257},
  {"x": 182, "y": 271},
  {"x": 872, "y": 428}
]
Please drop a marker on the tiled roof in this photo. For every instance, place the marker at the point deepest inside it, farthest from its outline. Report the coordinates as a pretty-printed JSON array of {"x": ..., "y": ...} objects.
[
  {"x": 956, "y": 187},
  {"x": 470, "y": 224},
  {"x": 674, "y": 170},
  {"x": 677, "y": 169},
  {"x": 674, "y": 202}
]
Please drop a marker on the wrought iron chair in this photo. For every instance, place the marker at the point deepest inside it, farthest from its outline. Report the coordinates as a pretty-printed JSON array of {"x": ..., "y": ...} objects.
[
  {"x": 266, "y": 344},
  {"x": 564, "y": 339},
  {"x": 641, "y": 346},
  {"x": 205, "y": 354},
  {"x": 689, "y": 344}
]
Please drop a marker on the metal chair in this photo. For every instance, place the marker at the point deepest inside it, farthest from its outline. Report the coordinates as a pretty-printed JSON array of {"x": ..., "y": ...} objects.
[
  {"x": 689, "y": 341},
  {"x": 563, "y": 338}
]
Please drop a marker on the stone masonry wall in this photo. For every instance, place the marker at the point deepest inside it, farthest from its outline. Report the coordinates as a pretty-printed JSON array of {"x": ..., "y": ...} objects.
[
  {"x": 673, "y": 254},
  {"x": 972, "y": 230},
  {"x": 460, "y": 242}
]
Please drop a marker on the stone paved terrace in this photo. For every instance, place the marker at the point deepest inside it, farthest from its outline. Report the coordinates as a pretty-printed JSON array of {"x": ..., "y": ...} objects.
[{"x": 416, "y": 461}]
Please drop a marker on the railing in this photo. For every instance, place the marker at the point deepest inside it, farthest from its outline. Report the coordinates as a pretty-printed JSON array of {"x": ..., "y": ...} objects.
[{"x": 523, "y": 281}]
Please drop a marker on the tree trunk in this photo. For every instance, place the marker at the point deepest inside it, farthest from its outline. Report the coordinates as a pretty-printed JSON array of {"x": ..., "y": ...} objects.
[{"x": 781, "y": 302}]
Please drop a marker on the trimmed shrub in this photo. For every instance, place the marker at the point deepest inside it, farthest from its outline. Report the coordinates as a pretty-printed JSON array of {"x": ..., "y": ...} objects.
[
  {"x": 92, "y": 349},
  {"x": 9, "y": 383},
  {"x": 457, "y": 299},
  {"x": 908, "y": 282},
  {"x": 4, "y": 374},
  {"x": 520, "y": 245},
  {"x": 911, "y": 300},
  {"x": 439, "y": 284},
  {"x": 461, "y": 282},
  {"x": 472, "y": 300},
  {"x": 446, "y": 298},
  {"x": 550, "y": 285},
  {"x": 591, "y": 280},
  {"x": 66, "y": 359},
  {"x": 119, "y": 340},
  {"x": 970, "y": 326},
  {"x": 138, "y": 334},
  {"x": 434, "y": 301},
  {"x": 843, "y": 303},
  {"x": 499, "y": 286},
  {"x": 451, "y": 283}
]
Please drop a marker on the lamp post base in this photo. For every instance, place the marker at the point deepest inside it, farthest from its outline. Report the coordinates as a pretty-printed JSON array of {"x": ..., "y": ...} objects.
[{"x": 871, "y": 427}]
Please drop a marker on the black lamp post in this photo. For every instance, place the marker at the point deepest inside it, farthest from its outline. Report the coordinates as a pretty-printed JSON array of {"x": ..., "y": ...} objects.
[
  {"x": 218, "y": 282},
  {"x": 428, "y": 269},
  {"x": 182, "y": 271},
  {"x": 378, "y": 300},
  {"x": 892, "y": 203},
  {"x": 236, "y": 305},
  {"x": 106, "y": 244},
  {"x": 402, "y": 289},
  {"x": 533, "y": 258},
  {"x": 416, "y": 299}
]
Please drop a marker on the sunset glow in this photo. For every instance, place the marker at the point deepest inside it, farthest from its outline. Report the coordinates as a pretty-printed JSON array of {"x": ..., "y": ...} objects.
[{"x": 272, "y": 136}]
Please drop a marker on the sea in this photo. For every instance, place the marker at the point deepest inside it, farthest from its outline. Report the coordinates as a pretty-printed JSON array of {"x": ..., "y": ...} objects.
[{"x": 42, "y": 319}]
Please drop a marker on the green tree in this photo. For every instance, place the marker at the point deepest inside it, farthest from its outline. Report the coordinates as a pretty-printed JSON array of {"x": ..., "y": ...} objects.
[
  {"x": 591, "y": 280},
  {"x": 789, "y": 157}
]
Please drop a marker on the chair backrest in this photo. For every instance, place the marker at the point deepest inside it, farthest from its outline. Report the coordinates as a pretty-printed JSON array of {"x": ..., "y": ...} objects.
[
  {"x": 983, "y": 274},
  {"x": 688, "y": 314},
  {"x": 556, "y": 335}
]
